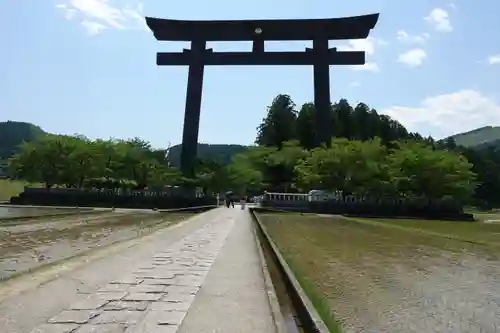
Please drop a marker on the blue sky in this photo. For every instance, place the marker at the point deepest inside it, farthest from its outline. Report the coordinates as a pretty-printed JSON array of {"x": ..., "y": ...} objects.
[{"x": 88, "y": 67}]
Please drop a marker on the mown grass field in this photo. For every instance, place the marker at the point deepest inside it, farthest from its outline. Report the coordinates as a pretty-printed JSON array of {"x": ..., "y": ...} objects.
[
  {"x": 10, "y": 188},
  {"x": 479, "y": 231},
  {"x": 372, "y": 276}
]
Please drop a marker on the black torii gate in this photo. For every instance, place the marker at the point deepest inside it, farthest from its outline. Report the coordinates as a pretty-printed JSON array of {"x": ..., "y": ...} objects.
[{"x": 320, "y": 31}]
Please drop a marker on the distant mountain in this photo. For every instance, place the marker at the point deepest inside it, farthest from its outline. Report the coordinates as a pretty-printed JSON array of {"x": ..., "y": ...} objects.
[
  {"x": 222, "y": 153},
  {"x": 13, "y": 133},
  {"x": 479, "y": 138}
]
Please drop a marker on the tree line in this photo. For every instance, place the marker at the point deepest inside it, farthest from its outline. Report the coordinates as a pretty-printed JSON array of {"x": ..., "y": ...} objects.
[
  {"x": 362, "y": 123},
  {"x": 370, "y": 154}
]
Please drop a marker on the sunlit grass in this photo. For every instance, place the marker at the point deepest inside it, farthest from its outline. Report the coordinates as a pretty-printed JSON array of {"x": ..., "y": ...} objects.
[
  {"x": 479, "y": 231},
  {"x": 347, "y": 267},
  {"x": 10, "y": 188}
]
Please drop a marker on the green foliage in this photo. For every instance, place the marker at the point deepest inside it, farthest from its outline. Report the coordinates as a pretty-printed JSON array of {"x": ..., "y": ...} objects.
[
  {"x": 425, "y": 172},
  {"x": 75, "y": 161}
]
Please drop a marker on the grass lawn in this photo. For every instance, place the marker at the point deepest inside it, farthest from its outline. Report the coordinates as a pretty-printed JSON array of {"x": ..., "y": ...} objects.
[
  {"x": 365, "y": 274},
  {"x": 10, "y": 188},
  {"x": 469, "y": 231}
]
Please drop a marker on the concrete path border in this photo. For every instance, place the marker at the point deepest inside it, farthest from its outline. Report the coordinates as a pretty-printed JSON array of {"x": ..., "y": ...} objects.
[{"x": 306, "y": 311}]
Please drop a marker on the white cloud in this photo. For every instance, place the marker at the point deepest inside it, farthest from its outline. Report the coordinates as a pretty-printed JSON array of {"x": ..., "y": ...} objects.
[
  {"x": 405, "y": 37},
  {"x": 368, "y": 45},
  {"x": 413, "y": 58},
  {"x": 368, "y": 66},
  {"x": 494, "y": 59},
  {"x": 452, "y": 113},
  {"x": 97, "y": 15},
  {"x": 354, "y": 84},
  {"x": 440, "y": 20},
  {"x": 93, "y": 28}
]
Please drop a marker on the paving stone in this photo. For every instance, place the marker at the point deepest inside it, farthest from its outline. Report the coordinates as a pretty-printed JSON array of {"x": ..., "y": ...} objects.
[
  {"x": 112, "y": 296},
  {"x": 114, "y": 287},
  {"x": 55, "y": 328},
  {"x": 193, "y": 274},
  {"x": 178, "y": 268},
  {"x": 155, "y": 275},
  {"x": 163, "y": 256},
  {"x": 103, "y": 328},
  {"x": 190, "y": 290},
  {"x": 188, "y": 281},
  {"x": 159, "y": 317},
  {"x": 128, "y": 280},
  {"x": 170, "y": 306},
  {"x": 158, "y": 281},
  {"x": 91, "y": 302},
  {"x": 161, "y": 264},
  {"x": 143, "y": 297},
  {"x": 74, "y": 317},
  {"x": 183, "y": 271},
  {"x": 126, "y": 305},
  {"x": 152, "y": 327},
  {"x": 147, "y": 267},
  {"x": 118, "y": 317},
  {"x": 173, "y": 297},
  {"x": 162, "y": 261},
  {"x": 147, "y": 288}
]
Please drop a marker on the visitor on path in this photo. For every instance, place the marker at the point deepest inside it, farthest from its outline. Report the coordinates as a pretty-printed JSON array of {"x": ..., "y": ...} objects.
[
  {"x": 243, "y": 201},
  {"x": 229, "y": 199}
]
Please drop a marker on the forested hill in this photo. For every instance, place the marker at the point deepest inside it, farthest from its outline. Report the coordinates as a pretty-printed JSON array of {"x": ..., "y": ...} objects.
[
  {"x": 13, "y": 133},
  {"x": 221, "y": 153},
  {"x": 479, "y": 138}
]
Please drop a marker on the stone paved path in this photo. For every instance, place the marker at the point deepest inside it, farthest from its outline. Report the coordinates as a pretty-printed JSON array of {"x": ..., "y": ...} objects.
[{"x": 156, "y": 292}]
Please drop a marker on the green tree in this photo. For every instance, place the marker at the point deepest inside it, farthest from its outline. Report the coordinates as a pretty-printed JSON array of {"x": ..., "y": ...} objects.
[
  {"x": 247, "y": 170},
  {"x": 41, "y": 161},
  {"x": 420, "y": 171},
  {"x": 362, "y": 123},
  {"x": 342, "y": 119},
  {"x": 279, "y": 124},
  {"x": 305, "y": 125},
  {"x": 325, "y": 167},
  {"x": 279, "y": 171}
]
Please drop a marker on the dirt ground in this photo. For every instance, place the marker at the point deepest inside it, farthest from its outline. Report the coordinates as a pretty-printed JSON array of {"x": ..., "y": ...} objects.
[
  {"x": 377, "y": 278},
  {"x": 31, "y": 243}
]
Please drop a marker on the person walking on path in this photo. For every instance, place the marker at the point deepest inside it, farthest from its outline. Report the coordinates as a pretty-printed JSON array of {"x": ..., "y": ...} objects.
[
  {"x": 243, "y": 201},
  {"x": 229, "y": 199}
]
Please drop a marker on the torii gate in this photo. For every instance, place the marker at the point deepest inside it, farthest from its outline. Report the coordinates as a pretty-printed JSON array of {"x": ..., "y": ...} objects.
[{"x": 320, "y": 31}]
